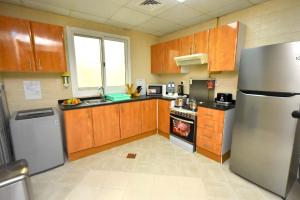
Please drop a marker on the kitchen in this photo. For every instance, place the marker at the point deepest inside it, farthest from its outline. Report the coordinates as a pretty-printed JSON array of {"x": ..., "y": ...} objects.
[{"x": 268, "y": 22}]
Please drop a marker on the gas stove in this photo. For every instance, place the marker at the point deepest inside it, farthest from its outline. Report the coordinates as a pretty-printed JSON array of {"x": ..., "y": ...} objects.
[{"x": 184, "y": 112}]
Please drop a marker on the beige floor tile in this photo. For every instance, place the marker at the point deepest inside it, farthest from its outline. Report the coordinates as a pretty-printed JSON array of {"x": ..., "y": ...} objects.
[{"x": 161, "y": 170}]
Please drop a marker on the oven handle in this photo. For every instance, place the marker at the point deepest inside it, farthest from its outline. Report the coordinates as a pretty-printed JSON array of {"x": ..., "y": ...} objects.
[{"x": 190, "y": 122}]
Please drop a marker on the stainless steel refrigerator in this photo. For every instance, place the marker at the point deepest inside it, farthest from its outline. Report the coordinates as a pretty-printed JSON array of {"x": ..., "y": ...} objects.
[
  {"x": 6, "y": 154},
  {"x": 265, "y": 145}
]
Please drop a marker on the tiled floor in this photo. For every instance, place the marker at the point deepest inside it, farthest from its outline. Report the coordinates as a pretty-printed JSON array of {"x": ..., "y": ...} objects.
[{"x": 160, "y": 171}]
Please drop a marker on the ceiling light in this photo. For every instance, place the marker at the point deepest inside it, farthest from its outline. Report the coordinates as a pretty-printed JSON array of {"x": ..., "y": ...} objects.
[{"x": 181, "y": 1}]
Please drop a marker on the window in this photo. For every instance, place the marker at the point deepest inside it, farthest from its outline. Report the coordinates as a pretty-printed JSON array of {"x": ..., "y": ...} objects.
[{"x": 97, "y": 60}]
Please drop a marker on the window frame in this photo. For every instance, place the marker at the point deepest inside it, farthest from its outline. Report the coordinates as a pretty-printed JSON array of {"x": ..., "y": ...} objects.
[{"x": 89, "y": 92}]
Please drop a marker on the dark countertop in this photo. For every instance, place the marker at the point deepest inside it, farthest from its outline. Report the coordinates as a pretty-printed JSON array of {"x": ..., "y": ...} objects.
[
  {"x": 214, "y": 105},
  {"x": 211, "y": 104},
  {"x": 84, "y": 105}
]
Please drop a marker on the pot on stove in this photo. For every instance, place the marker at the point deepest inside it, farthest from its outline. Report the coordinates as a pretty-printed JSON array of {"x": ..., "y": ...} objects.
[
  {"x": 193, "y": 104},
  {"x": 180, "y": 101}
]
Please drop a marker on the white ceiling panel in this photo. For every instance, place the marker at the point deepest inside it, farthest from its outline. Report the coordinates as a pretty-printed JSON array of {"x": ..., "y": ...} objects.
[
  {"x": 46, "y": 7},
  {"x": 207, "y": 5},
  {"x": 86, "y": 16},
  {"x": 180, "y": 14},
  {"x": 119, "y": 24},
  {"x": 151, "y": 10},
  {"x": 167, "y": 17},
  {"x": 157, "y": 25},
  {"x": 129, "y": 16},
  {"x": 257, "y": 1},
  {"x": 102, "y": 8},
  {"x": 234, "y": 6},
  {"x": 12, "y": 1}
]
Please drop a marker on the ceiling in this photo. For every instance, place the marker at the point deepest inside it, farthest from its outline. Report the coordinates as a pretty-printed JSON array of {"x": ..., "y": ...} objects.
[{"x": 159, "y": 20}]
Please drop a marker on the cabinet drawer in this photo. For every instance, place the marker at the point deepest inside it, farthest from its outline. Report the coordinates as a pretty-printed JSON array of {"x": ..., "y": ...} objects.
[
  {"x": 206, "y": 123},
  {"x": 205, "y": 132},
  {"x": 207, "y": 113},
  {"x": 205, "y": 143}
]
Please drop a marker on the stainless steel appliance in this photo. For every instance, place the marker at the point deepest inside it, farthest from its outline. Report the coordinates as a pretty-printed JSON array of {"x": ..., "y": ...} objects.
[
  {"x": 6, "y": 154},
  {"x": 156, "y": 90},
  {"x": 265, "y": 145},
  {"x": 15, "y": 182},
  {"x": 180, "y": 89},
  {"x": 171, "y": 87},
  {"x": 37, "y": 137},
  {"x": 224, "y": 98},
  {"x": 183, "y": 124}
]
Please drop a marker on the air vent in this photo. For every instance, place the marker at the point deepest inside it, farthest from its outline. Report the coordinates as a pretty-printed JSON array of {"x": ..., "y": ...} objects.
[{"x": 150, "y": 2}]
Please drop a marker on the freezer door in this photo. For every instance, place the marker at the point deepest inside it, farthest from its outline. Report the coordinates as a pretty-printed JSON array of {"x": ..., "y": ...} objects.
[
  {"x": 263, "y": 139},
  {"x": 271, "y": 68}
]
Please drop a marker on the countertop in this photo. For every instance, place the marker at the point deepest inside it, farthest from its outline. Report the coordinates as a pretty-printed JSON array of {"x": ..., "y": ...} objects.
[
  {"x": 211, "y": 104},
  {"x": 84, "y": 105}
]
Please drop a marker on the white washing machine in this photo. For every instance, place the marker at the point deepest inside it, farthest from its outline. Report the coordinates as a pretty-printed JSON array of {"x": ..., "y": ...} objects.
[{"x": 37, "y": 138}]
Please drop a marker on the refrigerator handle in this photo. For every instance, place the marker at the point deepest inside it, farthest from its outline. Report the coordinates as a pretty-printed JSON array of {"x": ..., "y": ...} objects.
[{"x": 296, "y": 114}]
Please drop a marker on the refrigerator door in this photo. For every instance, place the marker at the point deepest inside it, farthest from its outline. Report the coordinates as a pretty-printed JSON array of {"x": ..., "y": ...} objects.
[
  {"x": 263, "y": 140},
  {"x": 273, "y": 68}
]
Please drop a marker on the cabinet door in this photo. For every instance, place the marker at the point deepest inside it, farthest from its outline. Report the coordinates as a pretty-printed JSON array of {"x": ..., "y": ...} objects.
[
  {"x": 164, "y": 116},
  {"x": 49, "y": 47},
  {"x": 172, "y": 50},
  {"x": 79, "y": 130},
  {"x": 149, "y": 115},
  {"x": 157, "y": 58},
  {"x": 223, "y": 47},
  {"x": 16, "y": 52},
  {"x": 186, "y": 45},
  {"x": 210, "y": 125},
  {"x": 201, "y": 42},
  {"x": 106, "y": 124},
  {"x": 130, "y": 119}
]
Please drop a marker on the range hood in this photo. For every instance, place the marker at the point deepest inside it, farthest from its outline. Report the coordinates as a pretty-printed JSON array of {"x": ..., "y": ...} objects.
[{"x": 194, "y": 59}]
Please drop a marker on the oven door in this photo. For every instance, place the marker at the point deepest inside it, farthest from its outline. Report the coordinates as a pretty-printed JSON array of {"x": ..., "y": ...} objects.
[{"x": 183, "y": 128}]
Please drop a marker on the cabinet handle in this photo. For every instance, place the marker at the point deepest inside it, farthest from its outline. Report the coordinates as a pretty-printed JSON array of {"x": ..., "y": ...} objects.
[
  {"x": 29, "y": 62},
  {"x": 208, "y": 126},
  {"x": 39, "y": 64}
]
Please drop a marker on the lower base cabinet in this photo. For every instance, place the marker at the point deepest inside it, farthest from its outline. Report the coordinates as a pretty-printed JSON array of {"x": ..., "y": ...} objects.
[
  {"x": 106, "y": 124},
  {"x": 164, "y": 116},
  {"x": 79, "y": 130},
  {"x": 214, "y": 132},
  {"x": 130, "y": 119},
  {"x": 149, "y": 115}
]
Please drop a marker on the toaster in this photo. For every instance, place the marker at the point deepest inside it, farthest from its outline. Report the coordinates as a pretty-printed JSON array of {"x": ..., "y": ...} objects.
[{"x": 224, "y": 98}]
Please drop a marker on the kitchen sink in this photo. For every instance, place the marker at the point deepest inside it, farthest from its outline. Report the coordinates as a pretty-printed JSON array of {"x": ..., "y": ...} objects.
[{"x": 96, "y": 101}]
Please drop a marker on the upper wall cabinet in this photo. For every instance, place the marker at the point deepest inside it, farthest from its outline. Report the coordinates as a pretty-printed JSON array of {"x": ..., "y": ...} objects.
[
  {"x": 162, "y": 57},
  {"x": 49, "y": 48},
  {"x": 157, "y": 58},
  {"x": 195, "y": 43},
  {"x": 30, "y": 46},
  {"x": 224, "y": 42},
  {"x": 16, "y": 50}
]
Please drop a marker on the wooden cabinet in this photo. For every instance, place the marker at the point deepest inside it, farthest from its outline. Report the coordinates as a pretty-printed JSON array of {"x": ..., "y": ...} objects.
[
  {"x": 106, "y": 124},
  {"x": 201, "y": 42},
  {"x": 130, "y": 119},
  {"x": 164, "y": 116},
  {"x": 172, "y": 50},
  {"x": 149, "y": 115},
  {"x": 157, "y": 58},
  {"x": 195, "y": 43},
  {"x": 49, "y": 47},
  {"x": 186, "y": 45},
  {"x": 223, "y": 47},
  {"x": 162, "y": 57},
  {"x": 27, "y": 46},
  {"x": 16, "y": 50},
  {"x": 79, "y": 129},
  {"x": 210, "y": 130}
]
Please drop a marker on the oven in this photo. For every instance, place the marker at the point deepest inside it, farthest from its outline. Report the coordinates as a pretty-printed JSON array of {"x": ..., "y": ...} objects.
[{"x": 183, "y": 130}]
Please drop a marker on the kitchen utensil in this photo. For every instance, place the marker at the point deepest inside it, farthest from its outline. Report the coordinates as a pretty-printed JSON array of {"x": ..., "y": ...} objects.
[
  {"x": 193, "y": 104},
  {"x": 180, "y": 89}
]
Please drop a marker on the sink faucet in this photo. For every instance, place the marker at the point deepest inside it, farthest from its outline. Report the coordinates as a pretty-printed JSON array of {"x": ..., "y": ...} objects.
[{"x": 101, "y": 92}]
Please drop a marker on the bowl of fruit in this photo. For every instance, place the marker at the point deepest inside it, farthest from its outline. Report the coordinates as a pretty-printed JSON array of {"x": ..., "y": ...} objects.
[{"x": 71, "y": 102}]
